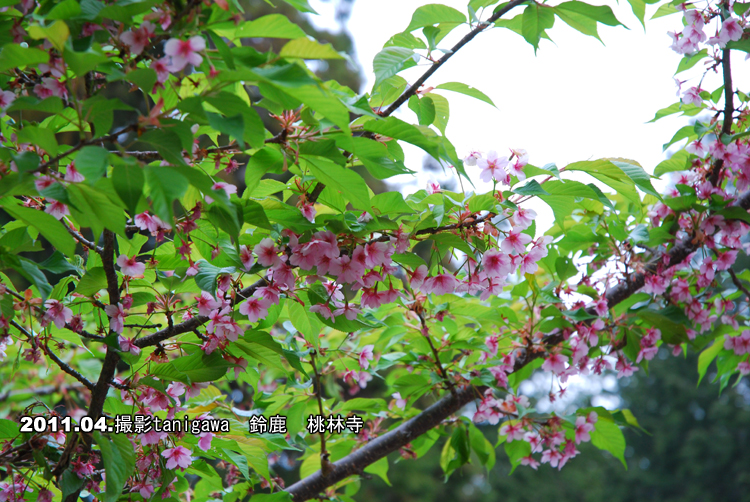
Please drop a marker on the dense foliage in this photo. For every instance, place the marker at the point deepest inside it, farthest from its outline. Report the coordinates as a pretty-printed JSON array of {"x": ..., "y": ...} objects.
[{"x": 142, "y": 280}]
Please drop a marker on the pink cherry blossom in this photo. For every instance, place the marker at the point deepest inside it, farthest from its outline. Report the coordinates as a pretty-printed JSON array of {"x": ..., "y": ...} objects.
[
  {"x": 418, "y": 277},
  {"x": 555, "y": 363},
  {"x": 322, "y": 309},
  {"x": 267, "y": 253},
  {"x": 349, "y": 311},
  {"x": 515, "y": 241},
  {"x": 72, "y": 174},
  {"x": 472, "y": 157},
  {"x": 441, "y": 284},
  {"x": 127, "y": 345},
  {"x": 161, "y": 69},
  {"x": 184, "y": 52},
  {"x": 116, "y": 315},
  {"x": 692, "y": 96},
  {"x": 137, "y": 39},
  {"x": 493, "y": 167},
  {"x": 178, "y": 456},
  {"x": 583, "y": 428},
  {"x": 255, "y": 308},
  {"x": 308, "y": 211},
  {"x": 523, "y": 218},
  {"x": 366, "y": 356},
  {"x": 6, "y": 99},
  {"x": 400, "y": 401},
  {"x": 246, "y": 257},
  {"x": 731, "y": 28},
  {"x": 492, "y": 344},
  {"x": 57, "y": 313},
  {"x": 512, "y": 431},
  {"x": 57, "y": 209},
  {"x": 433, "y": 187},
  {"x": 129, "y": 266},
  {"x": 221, "y": 185},
  {"x": 496, "y": 264}
]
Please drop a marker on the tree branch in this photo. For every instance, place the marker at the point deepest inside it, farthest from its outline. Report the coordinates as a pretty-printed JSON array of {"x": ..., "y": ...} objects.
[
  {"x": 412, "y": 90},
  {"x": 355, "y": 462},
  {"x": 726, "y": 126},
  {"x": 63, "y": 365},
  {"x": 739, "y": 285}
]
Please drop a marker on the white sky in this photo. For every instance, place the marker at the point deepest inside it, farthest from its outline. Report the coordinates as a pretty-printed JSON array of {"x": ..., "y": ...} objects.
[{"x": 575, "y": 100}]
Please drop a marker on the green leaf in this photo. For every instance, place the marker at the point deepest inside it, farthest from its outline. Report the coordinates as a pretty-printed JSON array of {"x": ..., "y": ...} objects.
[
  {"x": 70, "y": 483},
  {"x": 57, "y": 33},
  {"x": 609, "y": 174},
  {"x": 265, "y": 160},
  {"x": 380, "y": 469},
  {"x": 8, "y": 429},
  {"x": 64, "y": 10},
  {"x": 145, "y": 78},
  {"x": 92, "y": 282},
  {"x": 516, "y": 450},
  {"x": 442, "y": 111},
  {"x": 167, "y": 143},
  {"x": 118, "y": 456},
  {"x": 231, "y": 126},
  {"x": 92, "y": 162},
  {"x": 128, "y": 181},
  {"x": 735, "y": 213},
  {"x": 707, "y": 356},
  {"x": 270, "y": 26},
  {"x": 680, "y": 161},
  {"x": 390, "y": 61},
  {"x": 197, "y": 367},
  {"x": 91, "y": 207},
  {"x": 165, "y": 185},
  {"x": 672, "y": 331},
  {"x": 207, "y": 274},
  {"x": 536, "y": 19},
  {"x": 14, "y": 56},
  {"x": 304, "y": 48},
  {"x": 39, "y": 136},
  {"x": 398, "y": 129},
  {"x": 467, "y": 90},
  {"x": 608, "y": 436},
  {"x": 424, "y": 108},
  {"x": 390, "y": 202},
  {"x": 691, "y": 60},
  {"x": 345, "y": 181},
  {"x": 482, "y": 447},
  {"x": 432, "y": 14},
  {"x": 639, "y": 10},
  {"x": 531, "y": 188},
  {"x": 48, "y": 225},
  {"x": 583, "y": 17}
]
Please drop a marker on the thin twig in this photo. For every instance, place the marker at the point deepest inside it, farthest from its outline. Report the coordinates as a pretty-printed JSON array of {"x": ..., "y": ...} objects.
[
  {"x": 63, "y": 365},
  {"x": 737, "y": 283}
]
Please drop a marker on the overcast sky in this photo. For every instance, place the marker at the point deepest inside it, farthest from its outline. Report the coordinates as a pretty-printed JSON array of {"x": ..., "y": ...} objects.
[{"x": 575, "y": 100}]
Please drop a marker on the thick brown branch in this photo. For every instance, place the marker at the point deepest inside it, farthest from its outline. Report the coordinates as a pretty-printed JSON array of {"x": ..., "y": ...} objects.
[{"x": 355, "y": 462}]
